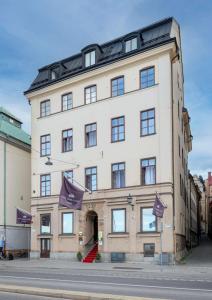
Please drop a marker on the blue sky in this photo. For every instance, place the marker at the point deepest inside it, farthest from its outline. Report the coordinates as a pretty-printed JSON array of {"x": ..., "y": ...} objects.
[{"x": 36, "y": 33}]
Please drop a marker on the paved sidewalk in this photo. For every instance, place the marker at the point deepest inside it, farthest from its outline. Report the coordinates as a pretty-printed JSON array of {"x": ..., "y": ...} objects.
[
  {"x": 198, "y": 262},
  {"x": 201, "y": 255}
]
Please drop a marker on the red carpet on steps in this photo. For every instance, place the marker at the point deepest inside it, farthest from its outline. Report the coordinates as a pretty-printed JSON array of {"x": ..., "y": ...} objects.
[{"x": 91, "y": 255}]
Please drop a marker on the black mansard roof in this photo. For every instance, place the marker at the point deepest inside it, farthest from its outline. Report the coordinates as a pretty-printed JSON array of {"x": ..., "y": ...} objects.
[{"x": 148, "y": 37}]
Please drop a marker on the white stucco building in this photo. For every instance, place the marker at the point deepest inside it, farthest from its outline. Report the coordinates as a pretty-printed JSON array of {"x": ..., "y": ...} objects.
[{"x": 114, "y": 117}]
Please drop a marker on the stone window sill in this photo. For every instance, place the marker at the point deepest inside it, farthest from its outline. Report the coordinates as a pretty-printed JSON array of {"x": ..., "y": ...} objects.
[{"x": 118, "y": 235}]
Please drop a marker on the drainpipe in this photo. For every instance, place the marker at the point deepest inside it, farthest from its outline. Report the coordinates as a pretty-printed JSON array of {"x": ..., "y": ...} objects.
[
  {"x": 5, "y": 194},
  {"x": 172, "y": 101}
]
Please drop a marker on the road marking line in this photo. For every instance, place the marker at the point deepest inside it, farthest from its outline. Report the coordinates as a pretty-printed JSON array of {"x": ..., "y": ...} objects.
[
  {"x": 138, "y": 277},
  {"x": 106, "y": 283}
]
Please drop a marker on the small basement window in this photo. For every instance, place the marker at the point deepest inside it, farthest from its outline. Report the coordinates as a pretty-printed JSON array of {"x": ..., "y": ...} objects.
[{"x": 149, "y": 250}]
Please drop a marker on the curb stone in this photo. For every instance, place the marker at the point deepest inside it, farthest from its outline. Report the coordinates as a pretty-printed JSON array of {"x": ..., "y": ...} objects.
[{"x": 64, "y": 294}]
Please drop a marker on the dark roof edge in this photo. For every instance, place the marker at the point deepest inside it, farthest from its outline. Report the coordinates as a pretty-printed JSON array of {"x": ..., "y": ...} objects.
[
  {"x": 100, "y": 65},
  {"x": 153, "y": 25}
]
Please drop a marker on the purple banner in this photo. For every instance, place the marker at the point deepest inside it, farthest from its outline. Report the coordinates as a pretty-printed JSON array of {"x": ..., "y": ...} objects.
[
  {"x": 158, "y": 208},
  {"x": 70, "y": 195},
  {"x": 23, "y": 217}
]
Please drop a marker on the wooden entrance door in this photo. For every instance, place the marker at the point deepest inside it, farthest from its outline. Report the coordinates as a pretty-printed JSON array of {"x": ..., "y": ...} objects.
[{"x": 45, "y": 248}]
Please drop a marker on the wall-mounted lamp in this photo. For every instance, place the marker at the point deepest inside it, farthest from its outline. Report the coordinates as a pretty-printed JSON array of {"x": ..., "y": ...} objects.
[{"x": 49, "y": 162}]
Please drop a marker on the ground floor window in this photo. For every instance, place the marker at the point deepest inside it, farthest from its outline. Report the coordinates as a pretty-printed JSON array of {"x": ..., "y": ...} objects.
[
  {"x": 149, "y": 250},
  {"x": 67, "y": 223},
  {"x": 119, "y": 220},
  {"x": 148, "y": 220},
  {"x": 45, "y": 224}
]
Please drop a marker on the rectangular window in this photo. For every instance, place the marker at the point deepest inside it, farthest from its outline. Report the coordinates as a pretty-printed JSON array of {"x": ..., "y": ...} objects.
[
  {"x": 90, "y": 58},
  {"x": 148, "y": 171},
  {"x": 147, "y": 77},
  {"x": 90, "y": 94},
  {"x": 69, "y": 175},
  {"x": 131, "y": 45},
  {"x": 119, "y": 220},
  {"x": 67, "y": 102},
  {"x": 45, "y": 224},
  {"x": 45, "y": 182},
  {"x": 148, "y": 220},
  {"x": 45, "y": 108},
  {"x": 45, "y": 145},
  {"x": 117, "y": 86},
  {"x": 118, "y": 175},
  {"x": 117, "y": 129},
  {"x": 67, "y": 223},
  {"x": 67, "y": 140},
  {"x": 149, "y": 250},
  {"x": 91, "y": 178},
  {"x": 147, "y": 122},
  {"x": 90, "y": 135}
]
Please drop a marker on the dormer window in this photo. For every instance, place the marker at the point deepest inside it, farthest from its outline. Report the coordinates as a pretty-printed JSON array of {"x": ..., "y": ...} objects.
[
  {"x": 90, "y": 58},
  {"x": 53, "y": 75},
  {"x": 131, "y": 44}
]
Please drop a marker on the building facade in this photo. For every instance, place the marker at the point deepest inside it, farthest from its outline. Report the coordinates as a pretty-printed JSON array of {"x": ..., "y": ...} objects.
[
  {"x": 203, "y": 205},
  {"x": 15, "y": 178},
  {"x": 193, "y": 211},
  {"x": 112, "y": 119},
  {"x": 208, "y": 184}
]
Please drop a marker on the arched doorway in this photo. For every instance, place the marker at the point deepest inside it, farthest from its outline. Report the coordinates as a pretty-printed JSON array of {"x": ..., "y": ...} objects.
[{"x": 92, "y": 227}]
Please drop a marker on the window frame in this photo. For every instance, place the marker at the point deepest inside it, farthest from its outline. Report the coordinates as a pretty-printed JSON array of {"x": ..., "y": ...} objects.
[
  {"x": 118, "y": 163},
  {"x": 148, "y": 158},
  {"x": 62, "y": 225},
  {"x": 86, "y": 146},
  {"x": 125, "y": 220},
  {"x": 91, "y": 174},
  {"x": 44, "y": 102},
  {"x": 143, "y": 111},
  {"x": 144, "y": 249},
  {"x": 89, "y": 53},
  {"x": 43, "y": 233},
  {"x": 63, "y": 139},
  {"x": 141, "y": 220},
  {"x": 46, "y": 174},
  {"x": 89, "y": 87},
  {"x": 63, "y": 95},
  {"x": 45, "y": 135},
  {"x": 145, "y": 69},
  {"x": 130, "y": 40},
  {"x": 111, "y": 86},
  {"x": 111, "y": 121}
]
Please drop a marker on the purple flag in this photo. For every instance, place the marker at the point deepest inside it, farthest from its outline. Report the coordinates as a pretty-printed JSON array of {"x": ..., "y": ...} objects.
[
  {"x": 158, "y": 208},
  {"x": 23, "y": 217},
  {"x": 70, "y": 195}
]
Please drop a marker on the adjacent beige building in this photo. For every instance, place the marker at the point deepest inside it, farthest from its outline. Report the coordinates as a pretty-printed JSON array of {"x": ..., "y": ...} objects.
[
  {"x": 113, "y": 118},
  {"x": 193, "y": 212},
  {"x": 208, "y": 184},
  {"x": 203, "y": 205},
  {"x": 15, "y": 178}
]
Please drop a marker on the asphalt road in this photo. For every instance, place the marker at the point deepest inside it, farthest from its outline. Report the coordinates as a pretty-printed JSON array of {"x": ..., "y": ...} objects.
[{"x": 131, "y": 283}]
